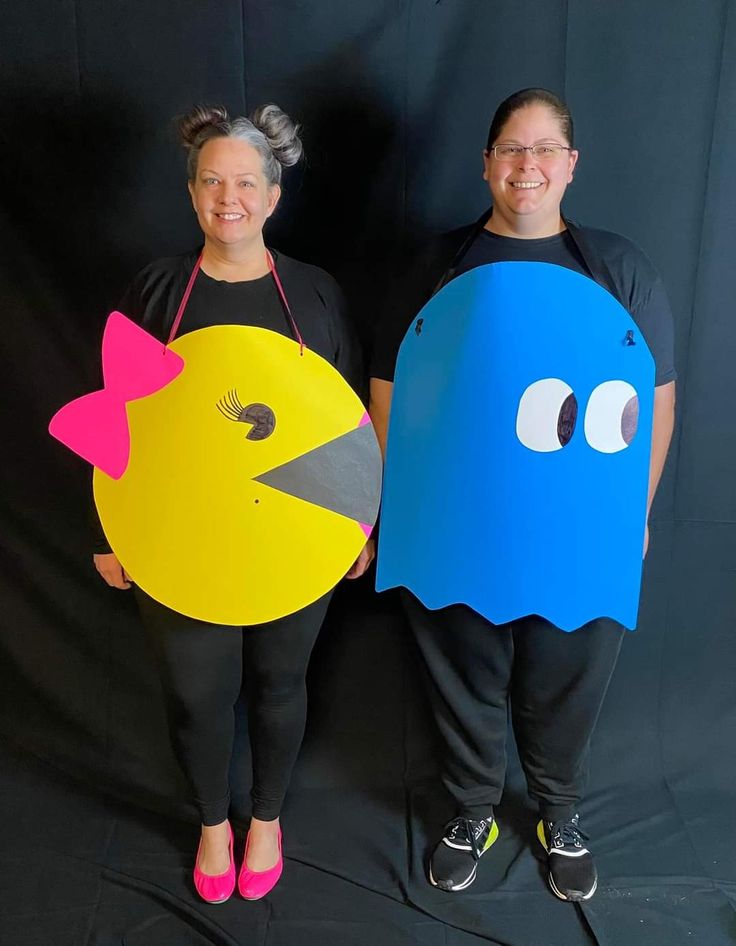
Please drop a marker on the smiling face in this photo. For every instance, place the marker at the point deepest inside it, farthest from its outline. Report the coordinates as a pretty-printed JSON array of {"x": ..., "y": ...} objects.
[
  {"x": 528, "y": 190},
  {"x": 230, "y": 193}
]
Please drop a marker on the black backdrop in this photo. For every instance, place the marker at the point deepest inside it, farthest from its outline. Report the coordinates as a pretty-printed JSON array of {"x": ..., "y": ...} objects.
[{"x": 395, "y": 98}]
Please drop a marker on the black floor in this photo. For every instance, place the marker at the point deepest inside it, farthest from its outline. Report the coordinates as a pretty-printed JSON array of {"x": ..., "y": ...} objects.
[
  {"x": 85, "y": 867},
  {"x": 80, "y": 869}
]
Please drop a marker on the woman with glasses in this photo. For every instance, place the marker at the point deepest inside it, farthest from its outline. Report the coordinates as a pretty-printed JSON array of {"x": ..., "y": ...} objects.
[{"x": 553, "y": 682}]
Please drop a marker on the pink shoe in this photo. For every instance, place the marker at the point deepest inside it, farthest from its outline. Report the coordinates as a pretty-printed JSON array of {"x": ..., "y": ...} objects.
[
  {"x": 215, "y": 888},
  {"x": 254, "y": 884}
]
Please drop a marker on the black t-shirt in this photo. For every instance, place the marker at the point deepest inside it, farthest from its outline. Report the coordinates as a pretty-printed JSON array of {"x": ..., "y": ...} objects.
[
  {"x": 637, "y": 285},
  {"x": 215, "y": 302},
  {"x": 489, "y": 247},
  {"x": 254, "y": 302}
]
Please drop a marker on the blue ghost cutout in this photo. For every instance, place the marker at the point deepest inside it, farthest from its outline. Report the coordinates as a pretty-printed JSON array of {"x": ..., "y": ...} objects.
[{"x": 518, "y": 451}]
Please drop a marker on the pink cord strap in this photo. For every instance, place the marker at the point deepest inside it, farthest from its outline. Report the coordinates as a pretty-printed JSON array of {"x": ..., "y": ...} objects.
[
  {"x": 184, "y": 300},
  {"x": 294, "y": 326}
]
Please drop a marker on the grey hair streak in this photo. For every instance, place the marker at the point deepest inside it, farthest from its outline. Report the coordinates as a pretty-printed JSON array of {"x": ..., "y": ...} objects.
[{"x": 269, "y": 130}]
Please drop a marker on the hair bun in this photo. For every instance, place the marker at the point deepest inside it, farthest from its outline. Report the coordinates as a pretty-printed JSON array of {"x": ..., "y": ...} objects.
[
  {"x": 198, "y": 119},
  {"x": 281, "y": 133}
]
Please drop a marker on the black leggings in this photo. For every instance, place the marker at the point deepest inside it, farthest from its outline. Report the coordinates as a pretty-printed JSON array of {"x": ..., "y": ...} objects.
[{"x": 202, "y": 667}]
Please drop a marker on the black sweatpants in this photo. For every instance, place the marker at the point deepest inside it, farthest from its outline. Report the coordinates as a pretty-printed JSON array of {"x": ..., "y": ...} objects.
[
  {"x": 554, "y": 683},
  {"x": 203, "y": 667}
]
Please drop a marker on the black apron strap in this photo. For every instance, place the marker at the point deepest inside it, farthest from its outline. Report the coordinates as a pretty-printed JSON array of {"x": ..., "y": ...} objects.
[
  {"x": 593, "y": 260},
  {"x": 462, "y": 249}
]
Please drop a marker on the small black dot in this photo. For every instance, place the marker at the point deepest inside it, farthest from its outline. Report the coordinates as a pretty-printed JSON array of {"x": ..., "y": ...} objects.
[{"x": 257, "y": 500}]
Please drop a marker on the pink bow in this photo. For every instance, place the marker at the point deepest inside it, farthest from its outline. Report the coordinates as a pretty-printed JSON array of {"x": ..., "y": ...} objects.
[{"x": 134, "y": 364}]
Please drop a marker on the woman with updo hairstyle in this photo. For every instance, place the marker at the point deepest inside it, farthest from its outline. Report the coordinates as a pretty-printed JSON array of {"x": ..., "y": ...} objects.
[
  {"x": 553, "y": 683},
  {"x": 234, "y": 169}
]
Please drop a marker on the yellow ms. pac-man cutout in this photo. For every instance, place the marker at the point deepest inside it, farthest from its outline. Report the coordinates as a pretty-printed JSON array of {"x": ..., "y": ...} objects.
[{"x": 252, "y": 481}]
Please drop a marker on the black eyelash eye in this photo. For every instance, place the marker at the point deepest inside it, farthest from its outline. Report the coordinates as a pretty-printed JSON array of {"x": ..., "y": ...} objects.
[{"x": 260, "y": 416}]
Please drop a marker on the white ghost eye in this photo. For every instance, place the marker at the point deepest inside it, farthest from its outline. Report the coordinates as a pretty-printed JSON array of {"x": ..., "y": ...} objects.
[
  {"x": 547, "y": 414},
  {"x": 612, "y": 416}
]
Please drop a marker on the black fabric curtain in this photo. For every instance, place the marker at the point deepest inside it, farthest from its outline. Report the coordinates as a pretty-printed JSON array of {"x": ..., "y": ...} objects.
[{"x": 395, "y": 99}]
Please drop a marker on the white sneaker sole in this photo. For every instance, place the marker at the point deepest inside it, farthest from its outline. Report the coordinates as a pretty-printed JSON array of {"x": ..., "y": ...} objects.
[{"x": 462, "y": 886}]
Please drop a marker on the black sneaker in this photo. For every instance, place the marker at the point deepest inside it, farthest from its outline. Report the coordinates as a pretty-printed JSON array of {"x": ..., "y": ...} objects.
[
  {"x": 572, "y": 874},
  {"x": 455, "y": 859}
]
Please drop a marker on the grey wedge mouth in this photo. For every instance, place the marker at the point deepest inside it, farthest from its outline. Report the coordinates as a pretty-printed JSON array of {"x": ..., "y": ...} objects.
[{"x": 338, "y": 475}]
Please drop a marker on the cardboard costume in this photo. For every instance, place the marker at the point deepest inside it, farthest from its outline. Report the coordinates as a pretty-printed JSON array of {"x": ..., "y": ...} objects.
[
  {"x": 518, "y": 452},
  {"x": 245, "y": 477}
]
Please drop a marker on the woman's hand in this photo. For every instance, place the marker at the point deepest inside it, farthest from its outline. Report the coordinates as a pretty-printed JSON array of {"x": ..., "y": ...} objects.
[
  {"x": 363, "y": 560},
  {"x": 112, "y": 571}
]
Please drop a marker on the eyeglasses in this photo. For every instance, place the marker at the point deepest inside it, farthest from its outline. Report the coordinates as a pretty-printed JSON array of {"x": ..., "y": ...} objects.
[{"x": 543, "y": 152}]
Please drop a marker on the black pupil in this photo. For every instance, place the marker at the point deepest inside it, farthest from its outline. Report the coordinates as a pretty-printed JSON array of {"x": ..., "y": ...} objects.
[
  {"x": 261, "y": 417},
  {"x": 630, "y": 419},
  {"x": 567, "y": 419}
]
